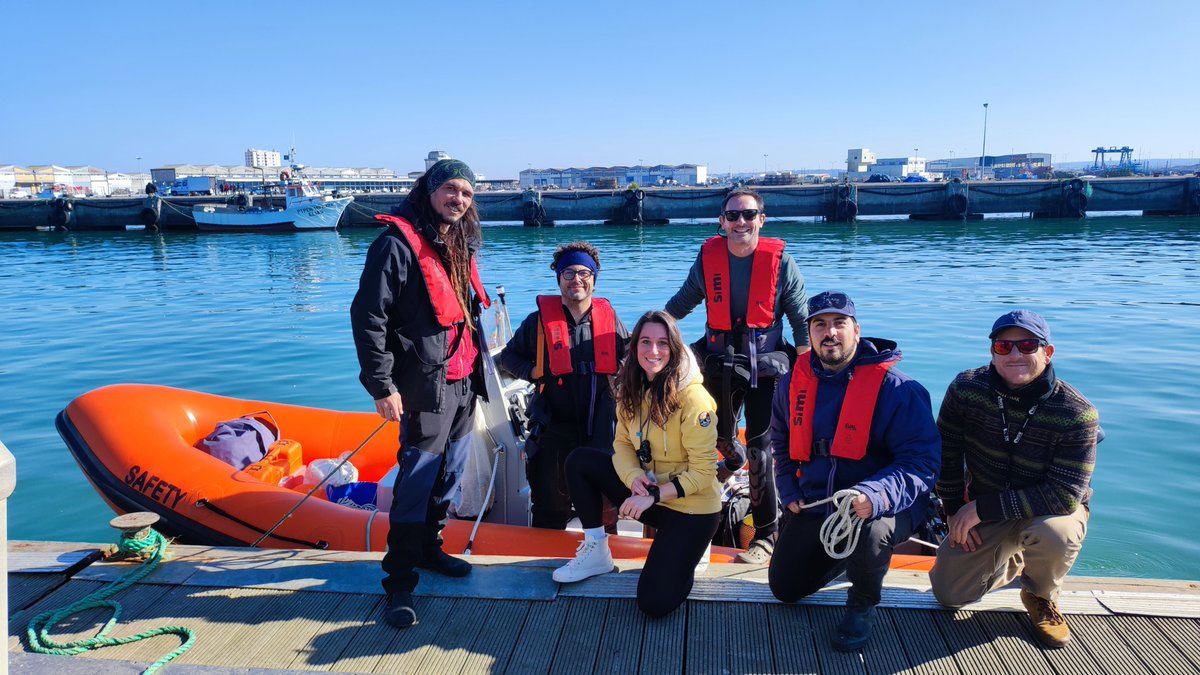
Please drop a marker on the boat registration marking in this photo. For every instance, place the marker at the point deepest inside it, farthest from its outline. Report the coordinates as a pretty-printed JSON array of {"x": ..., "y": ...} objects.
[{"x": 158, "y": 489}]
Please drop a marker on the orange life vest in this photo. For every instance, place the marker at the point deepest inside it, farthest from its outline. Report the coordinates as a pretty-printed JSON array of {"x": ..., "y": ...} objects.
[
  {"x": 554, "y": 328},
  {"x": 854, "y": 423},
  {"x": 764, "y": 274},
  {"x": 446, "y": 306}
]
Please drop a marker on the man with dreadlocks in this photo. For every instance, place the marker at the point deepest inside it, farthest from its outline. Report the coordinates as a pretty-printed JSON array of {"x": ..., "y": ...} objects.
[{"x": 415, "y": 321}]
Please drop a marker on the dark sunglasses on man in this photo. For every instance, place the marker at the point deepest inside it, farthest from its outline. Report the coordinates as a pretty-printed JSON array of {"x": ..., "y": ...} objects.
[
  {"x": 746, "y": 214},
  {"x": 1025, "y": 346}
]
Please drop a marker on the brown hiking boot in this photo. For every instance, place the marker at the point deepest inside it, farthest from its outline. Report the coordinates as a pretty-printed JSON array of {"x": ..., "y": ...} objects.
[{"x": 1049, "y": 625}]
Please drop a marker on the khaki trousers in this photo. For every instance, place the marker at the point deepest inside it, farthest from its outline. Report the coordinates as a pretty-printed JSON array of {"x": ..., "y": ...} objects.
[{"x": 1041, "y": 550}]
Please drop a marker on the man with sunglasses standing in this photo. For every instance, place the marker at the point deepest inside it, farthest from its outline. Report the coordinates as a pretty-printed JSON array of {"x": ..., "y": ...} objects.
[
  {"x": 1018, "y": 450},
  {"x": 748, "y": 284},
  {"x": 569, "y": 348},
  {"x": 846, "y": 418}
]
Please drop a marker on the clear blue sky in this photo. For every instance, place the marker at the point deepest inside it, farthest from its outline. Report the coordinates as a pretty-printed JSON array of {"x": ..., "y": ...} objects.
[{"x": 508, "y": 85}]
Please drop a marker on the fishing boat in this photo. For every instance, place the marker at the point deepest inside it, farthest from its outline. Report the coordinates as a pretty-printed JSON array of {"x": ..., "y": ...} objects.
[{"x": 305, "y": 208}]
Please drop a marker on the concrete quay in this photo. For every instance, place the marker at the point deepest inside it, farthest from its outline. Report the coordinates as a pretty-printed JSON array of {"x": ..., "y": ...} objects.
[{"x": 835, "y": 202}]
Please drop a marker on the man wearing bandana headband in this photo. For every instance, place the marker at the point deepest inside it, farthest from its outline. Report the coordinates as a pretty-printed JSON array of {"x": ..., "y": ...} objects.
[
  {"x": 569, "y": 347},
  {"x": 415, "y": 321}
]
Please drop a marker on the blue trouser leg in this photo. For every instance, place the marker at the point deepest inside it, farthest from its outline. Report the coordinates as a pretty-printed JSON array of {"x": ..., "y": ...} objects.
[{"x": 432, "y": 457}]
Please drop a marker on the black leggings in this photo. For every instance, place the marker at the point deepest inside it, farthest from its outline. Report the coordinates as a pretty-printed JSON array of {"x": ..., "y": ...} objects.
[{"x": 679, "y": 541}]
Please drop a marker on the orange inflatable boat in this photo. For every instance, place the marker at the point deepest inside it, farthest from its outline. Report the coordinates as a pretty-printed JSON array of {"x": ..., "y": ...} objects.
[{"x": 137, "y": 446}]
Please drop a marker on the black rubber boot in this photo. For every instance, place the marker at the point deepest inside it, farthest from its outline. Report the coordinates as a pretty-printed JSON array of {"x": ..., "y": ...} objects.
[
  {"x": 854, "y": 632},
  {"x": 443, "y": 563},
  {"x": 398, "y": 611}
]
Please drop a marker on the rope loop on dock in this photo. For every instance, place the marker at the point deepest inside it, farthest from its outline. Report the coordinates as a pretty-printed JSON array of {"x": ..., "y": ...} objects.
[
  {"x": 151, "y": 550},
  {"x": 843, "y": 525}
]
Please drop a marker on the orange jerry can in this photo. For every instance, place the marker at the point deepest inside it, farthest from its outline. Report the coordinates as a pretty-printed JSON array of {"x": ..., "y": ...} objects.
[{"x": 283, "y": 459}]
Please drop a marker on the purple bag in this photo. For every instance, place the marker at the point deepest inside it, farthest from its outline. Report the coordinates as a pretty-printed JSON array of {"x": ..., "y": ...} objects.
[{"x": 241, "y": 442}]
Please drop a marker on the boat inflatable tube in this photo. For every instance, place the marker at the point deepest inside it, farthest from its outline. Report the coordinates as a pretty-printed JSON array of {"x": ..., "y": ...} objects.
[{"x": 135, "y": 443}]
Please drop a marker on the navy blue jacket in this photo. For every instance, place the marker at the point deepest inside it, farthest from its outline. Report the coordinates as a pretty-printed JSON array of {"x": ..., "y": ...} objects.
[{"x": 903, "y": 453}]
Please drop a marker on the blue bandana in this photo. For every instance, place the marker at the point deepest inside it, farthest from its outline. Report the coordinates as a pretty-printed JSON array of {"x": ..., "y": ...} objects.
[{"x": 576, "y": 258}]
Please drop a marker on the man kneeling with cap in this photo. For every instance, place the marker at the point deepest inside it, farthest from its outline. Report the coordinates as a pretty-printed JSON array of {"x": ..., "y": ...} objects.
[
  {"x": 1018, "y": 449},
  {"x": 846, "y": 419}
]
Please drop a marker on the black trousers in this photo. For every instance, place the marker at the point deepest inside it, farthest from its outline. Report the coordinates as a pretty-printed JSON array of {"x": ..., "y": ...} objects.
[
  {"x": 764, "y": 498},
  {"x": 680, "y": 539},
  {"x": 800, "y": 566},
  {"x": 432, "y": 457},
  {"x": 546, "y": 471}
]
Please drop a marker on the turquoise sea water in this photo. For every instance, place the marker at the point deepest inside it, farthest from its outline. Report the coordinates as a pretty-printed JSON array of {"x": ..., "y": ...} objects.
[{"x": 265, "y": 317}]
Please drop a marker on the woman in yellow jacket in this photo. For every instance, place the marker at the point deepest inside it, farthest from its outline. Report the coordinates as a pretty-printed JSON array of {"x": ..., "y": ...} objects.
[{"x": 662, "y": 471}]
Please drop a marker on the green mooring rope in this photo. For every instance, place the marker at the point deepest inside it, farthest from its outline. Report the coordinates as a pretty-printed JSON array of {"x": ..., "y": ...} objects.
[{"x": 38, "y": 632}]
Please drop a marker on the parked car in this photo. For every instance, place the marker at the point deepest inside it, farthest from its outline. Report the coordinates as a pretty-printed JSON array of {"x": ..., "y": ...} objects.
[
  {"x": 19, "y": 193},
  {"x": 879, "y": 178}
]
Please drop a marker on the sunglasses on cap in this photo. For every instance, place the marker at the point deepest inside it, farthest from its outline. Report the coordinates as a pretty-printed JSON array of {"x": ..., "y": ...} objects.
[
  {"x": 1025, "y": 346},
  {"x": 746, "y": 214}
]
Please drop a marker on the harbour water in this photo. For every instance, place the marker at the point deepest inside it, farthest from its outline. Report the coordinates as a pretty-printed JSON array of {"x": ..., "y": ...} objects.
[{"x": 265, "y": 317}]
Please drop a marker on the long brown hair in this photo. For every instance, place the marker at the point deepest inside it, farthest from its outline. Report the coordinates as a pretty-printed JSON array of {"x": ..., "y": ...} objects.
[
  {"x": 632, "y": 384},
  {"x": 457, "y": 239}
]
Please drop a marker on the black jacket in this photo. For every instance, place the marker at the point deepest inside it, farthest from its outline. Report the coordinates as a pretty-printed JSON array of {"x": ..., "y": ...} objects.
[{"x": 401, "y": 347}]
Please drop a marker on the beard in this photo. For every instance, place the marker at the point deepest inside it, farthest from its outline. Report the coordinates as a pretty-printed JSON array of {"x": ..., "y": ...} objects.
[{"x": 838, "y": 358}]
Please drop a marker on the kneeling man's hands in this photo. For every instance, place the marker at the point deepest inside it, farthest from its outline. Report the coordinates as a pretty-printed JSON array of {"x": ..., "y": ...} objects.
[
  {"x": 634, "y": 506},
  {"x": 962, "y": 528},
  {"x": 862, "y": 506}
]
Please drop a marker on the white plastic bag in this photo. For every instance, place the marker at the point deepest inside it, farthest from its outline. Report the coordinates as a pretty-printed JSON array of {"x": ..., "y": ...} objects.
[
  {"x": 320, "y": 468},
  {"x": 383, "y": 496}
]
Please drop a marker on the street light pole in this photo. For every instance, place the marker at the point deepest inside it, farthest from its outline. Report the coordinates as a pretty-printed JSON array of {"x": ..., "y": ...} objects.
[{"x": 983, "y": 153}]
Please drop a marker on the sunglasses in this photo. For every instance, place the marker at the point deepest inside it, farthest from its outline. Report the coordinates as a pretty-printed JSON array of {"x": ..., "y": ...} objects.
[
  {"x": 834, "y": 300},
  {"x": 746, "y": 214},
  {"x": 570, "y": 274},
  {"x": 1026, "y": 346}
]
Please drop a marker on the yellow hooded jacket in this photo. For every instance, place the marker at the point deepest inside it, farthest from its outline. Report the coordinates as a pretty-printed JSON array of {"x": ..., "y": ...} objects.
[{"x": 685, "y": 449}]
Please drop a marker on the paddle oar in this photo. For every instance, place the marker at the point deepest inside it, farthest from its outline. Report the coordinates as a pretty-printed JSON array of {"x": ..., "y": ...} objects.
[{"x": 319, "y": 484}]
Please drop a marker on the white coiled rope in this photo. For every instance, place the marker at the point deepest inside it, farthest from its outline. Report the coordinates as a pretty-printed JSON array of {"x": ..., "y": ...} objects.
[{"x": 841, "y": 525}]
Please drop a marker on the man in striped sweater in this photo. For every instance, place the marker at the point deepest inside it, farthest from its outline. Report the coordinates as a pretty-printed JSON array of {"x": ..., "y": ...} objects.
[{"x": 1018, "y": 450}]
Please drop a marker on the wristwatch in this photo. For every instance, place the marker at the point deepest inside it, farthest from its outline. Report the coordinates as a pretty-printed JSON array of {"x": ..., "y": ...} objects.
[{"x": 652, "y": 488}]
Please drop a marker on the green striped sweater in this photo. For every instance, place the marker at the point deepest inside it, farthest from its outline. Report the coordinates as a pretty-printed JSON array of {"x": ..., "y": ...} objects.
[{"x": 1048, "y": 473}]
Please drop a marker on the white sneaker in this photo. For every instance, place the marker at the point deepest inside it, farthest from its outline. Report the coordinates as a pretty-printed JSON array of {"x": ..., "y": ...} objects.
[
  {"x": 702, "y": 566},
  {"x": 591, "y": 558}
]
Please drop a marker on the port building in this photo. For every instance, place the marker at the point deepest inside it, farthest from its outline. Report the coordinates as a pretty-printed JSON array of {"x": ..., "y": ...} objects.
[
  {"x": 264, "y": 158},
  {"x": 614, "y": 177}
]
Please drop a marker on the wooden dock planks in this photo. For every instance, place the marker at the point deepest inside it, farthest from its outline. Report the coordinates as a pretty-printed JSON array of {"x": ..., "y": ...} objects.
[{"x": 315, "y": 628}]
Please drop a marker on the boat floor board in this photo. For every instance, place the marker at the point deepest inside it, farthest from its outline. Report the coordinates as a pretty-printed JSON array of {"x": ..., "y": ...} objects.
[{"x": 278, "y": 611}]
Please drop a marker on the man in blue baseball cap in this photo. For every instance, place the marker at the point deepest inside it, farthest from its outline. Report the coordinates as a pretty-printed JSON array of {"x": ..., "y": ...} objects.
[
  {"x": 1018, "y": 451},
  {"x": 846, "y": 418}
]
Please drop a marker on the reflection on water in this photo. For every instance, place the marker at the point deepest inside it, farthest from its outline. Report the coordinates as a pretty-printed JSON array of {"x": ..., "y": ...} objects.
[{"x": 265, "y": 317}]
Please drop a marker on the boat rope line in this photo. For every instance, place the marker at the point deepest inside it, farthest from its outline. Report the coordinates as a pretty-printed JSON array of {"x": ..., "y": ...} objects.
[
  {"x": 1157, "y": 188},
  {"x": 175, "y": 208},
  {"x": 1012, "y": 193},
  {"x": 151, "y": 549},
  {"x": 844, "y": 524},
  {"x": 318, "y": 486},
  {"x": 205, "y": 504},
  {"x": 901, "y": 192},
  {"x": 841, "y": 525},
  {"x": 363, "y": 208}
]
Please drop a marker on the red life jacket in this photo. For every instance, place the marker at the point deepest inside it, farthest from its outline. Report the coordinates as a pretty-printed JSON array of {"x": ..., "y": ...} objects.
[
  {"x": 446, "y": 306},
  {"x": 764, "y": 274},
  {"x": 554, "y": 327},
  {"x": 854, "y": 423}
]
